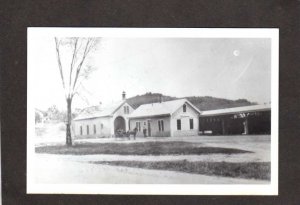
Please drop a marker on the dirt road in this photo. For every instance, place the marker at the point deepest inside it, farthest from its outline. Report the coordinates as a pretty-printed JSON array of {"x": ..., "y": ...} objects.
[{"x": 55, "y": 169}]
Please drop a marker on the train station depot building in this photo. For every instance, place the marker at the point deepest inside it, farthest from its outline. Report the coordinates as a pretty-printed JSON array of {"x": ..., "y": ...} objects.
[{"x": 170, "y": 118}]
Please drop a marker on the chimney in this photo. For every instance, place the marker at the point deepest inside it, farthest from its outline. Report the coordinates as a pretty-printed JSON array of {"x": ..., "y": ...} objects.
[{"x": 123, "y": 95}]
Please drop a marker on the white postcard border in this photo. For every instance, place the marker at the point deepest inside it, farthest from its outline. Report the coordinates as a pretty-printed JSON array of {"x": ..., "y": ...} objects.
[{"x": 157, "y": 189}]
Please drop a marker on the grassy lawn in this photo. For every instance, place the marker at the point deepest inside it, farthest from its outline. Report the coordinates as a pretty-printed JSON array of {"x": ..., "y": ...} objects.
[
  {"x": 145, "y": 148},
  {"x": 248, "y": 170}
]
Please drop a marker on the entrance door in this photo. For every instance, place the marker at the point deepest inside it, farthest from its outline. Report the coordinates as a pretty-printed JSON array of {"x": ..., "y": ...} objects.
[
  {"x": 119, "y": 124},
  {"x": 149, "y": 128}
]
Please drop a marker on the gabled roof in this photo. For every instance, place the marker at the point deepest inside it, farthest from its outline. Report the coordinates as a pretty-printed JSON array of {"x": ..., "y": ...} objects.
[
  {"x": 158, "y": 109},
  {"x": 251, "y": 108},
  {"x": 99, "y": 111}
]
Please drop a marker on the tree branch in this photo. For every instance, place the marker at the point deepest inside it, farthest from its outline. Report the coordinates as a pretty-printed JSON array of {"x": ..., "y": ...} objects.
[
  {"x": 79, "y": 67},
  {"x": 59, "y": 64},
  {"x": 72, "y": 63}
]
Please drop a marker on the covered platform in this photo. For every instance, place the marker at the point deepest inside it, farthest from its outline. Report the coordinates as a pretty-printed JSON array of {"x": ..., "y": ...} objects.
[{"x": 255, "y": 119}]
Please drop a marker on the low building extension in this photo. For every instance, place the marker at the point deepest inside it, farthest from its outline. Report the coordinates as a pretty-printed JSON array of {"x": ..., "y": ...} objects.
[{"x": 254, "y": 119}]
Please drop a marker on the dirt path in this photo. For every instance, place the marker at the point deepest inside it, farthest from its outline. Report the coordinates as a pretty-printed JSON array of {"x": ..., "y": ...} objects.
[
  {"x": 55, "y": 169},
  {"x": 76, "y": 169},
  {"x": 251, "y": 157}
]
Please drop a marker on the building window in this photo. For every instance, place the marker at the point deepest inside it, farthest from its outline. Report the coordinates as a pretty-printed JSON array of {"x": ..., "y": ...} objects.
[
  {"x": 80, "y": 130},
  {"x": 178, "y": 124},
  {"x": 184, "y": 108},
  {"x": 95, "y": 131},
  {"x": 160, "y": 125},
  {"x": 191, "y": 124},
  {"x": 101, "y": 126},
  {"x": 87, "y": 130},
  {"x": 126, "y": 109}
]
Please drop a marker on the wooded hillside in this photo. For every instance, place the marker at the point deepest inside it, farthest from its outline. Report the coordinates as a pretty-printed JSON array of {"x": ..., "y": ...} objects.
[{"x": 202, "y": 103}]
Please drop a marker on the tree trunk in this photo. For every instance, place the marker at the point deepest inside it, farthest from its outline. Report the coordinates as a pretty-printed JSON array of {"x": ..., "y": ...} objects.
[{"x": 69, "y": 120}]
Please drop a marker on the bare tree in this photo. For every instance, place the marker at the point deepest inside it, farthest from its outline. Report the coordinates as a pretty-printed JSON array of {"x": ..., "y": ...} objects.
[{"x": 74, "y": 69}]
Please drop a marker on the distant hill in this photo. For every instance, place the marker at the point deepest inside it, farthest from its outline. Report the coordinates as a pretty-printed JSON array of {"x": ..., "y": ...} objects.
[
  {"x": 202, "y": 103},
  {"x": 212, "y": 103}
]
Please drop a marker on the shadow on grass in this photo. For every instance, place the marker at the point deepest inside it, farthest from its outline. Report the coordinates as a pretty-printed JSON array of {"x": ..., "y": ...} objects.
[
  {"x": 145, "y": 148},
  {"x": 248, "y": 170}
]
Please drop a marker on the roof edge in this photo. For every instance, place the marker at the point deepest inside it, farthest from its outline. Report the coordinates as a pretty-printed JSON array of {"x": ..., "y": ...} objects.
[
  {"x": 88, "y": 118},
  {"x": 233, "y": 112},
  {"x": 113, "y": 112},
  {"x": 160, "y": 115},
  {"x": 191, "y": 104}
]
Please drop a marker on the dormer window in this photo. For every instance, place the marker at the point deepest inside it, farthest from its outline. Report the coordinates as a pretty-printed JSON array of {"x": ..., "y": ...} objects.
[
  {"x": 126, "y": 109},
  {"x": 184, "y": 108}
]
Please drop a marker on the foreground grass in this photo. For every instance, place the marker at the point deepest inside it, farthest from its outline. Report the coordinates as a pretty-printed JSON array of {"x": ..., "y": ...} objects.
[
  {"x": 145, "y": 148},
  {"x": 248, "y": 170}
]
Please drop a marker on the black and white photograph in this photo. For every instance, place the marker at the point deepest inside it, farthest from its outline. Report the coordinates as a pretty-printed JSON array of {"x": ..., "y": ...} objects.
[{"x": 181, "y": 111}]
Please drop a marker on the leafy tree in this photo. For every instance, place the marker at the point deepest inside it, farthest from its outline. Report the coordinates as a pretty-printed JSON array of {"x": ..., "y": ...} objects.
[
  {"x": 53, "y": 112},
  {"x": 72, "y": 54},
  {"x": 38, "y": 118}
]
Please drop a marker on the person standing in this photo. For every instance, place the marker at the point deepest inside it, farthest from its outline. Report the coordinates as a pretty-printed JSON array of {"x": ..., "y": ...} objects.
[{"x": 134, "y": 132}]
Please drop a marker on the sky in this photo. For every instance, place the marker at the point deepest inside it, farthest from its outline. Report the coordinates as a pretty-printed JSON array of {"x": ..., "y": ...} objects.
[{"x": 231, "y": 68}]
